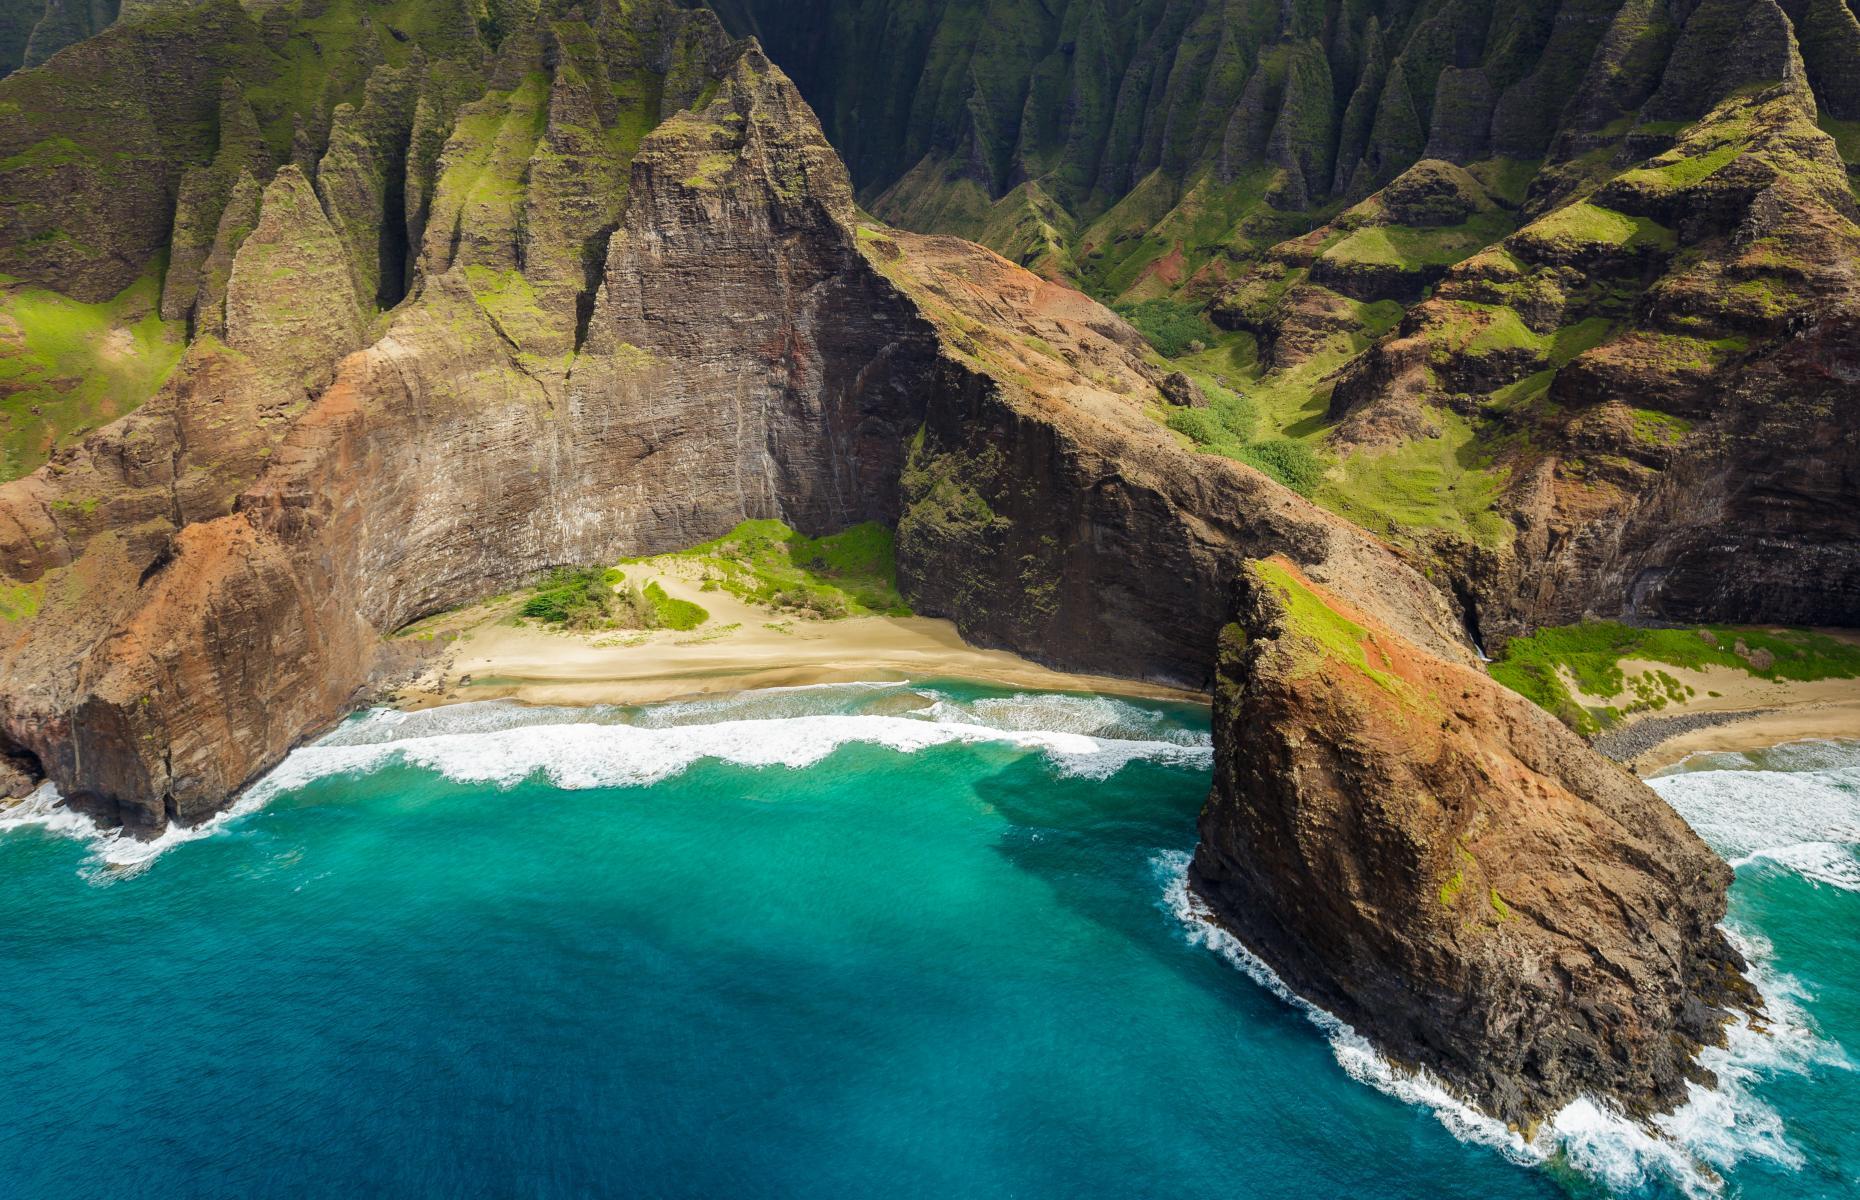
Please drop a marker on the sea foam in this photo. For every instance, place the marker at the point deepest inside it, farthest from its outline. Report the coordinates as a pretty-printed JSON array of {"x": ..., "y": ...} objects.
[
  {"x": 1684, "y": 1150},
  {"x": 501, "y": 744},
  {"x": 1796, "y": 806},
  {"x": 113, "y": 854}
]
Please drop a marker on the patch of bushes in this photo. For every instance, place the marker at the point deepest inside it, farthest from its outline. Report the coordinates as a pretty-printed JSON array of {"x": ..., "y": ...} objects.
[
  {"x": 1294, "y": 464},
  {"x": 586, "y": 599},
  {"x": 576, "y": 598},
  {"x": 1171, "y": 326},
  {"x": 1197, "y": 425}
]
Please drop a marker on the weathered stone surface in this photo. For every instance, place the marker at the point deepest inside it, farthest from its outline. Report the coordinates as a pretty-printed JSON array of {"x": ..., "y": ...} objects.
[
  {"x": 204, "y": 195},
  {"x": 1698, "y": 462},
  {"x": 1447, "y": 868},
  {"x": 361, "y": 181},
  {"x": 750, "y": 353},
  {"x": 291, "y": 301},
  {"x": 1044, "y": 511},
  {"x": 1177, "y": 388}
]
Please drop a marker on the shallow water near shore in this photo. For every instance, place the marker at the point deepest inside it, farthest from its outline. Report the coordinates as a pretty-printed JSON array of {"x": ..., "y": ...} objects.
[{"x": 924, "y": 940}]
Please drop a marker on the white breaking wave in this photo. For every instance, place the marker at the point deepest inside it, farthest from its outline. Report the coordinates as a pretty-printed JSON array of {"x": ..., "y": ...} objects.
[
  {"x": 502, "y": 744},
  {"x": 1686, "y": 1149},
  {"x": 1094, "y": 716},
  {"x": 1804, "y": 818},
  {"x": 113, "y": 854},
  {"x": 580, "y": 756}
]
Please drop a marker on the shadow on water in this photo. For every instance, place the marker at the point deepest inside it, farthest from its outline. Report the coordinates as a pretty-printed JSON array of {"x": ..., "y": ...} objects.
[{"x": 1094, "y": 844}]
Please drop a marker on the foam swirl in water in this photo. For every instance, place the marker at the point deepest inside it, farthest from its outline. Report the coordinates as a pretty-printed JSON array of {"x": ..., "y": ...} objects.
[
  {"x": 501, "y": 744},
  {"x": 1796, "y": 806}
]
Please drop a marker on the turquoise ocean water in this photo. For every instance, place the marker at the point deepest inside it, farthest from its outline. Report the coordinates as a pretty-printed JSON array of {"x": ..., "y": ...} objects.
[{"x": 923, "y": 940}]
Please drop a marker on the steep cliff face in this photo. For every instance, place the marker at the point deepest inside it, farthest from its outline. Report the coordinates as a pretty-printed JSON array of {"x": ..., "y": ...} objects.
[
  {"x": 1661, "y": 373},
  {"x": 206, "y": 581},
  {"x": 513, "y": 288},
  {"x": 1149, "y": 147},
  {"x": 1554, "y": 297},
  {"x": 1444, "y": 866}
]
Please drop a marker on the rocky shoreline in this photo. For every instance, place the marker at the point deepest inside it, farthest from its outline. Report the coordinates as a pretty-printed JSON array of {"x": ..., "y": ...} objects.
[{"x": 1629, "y": 743}]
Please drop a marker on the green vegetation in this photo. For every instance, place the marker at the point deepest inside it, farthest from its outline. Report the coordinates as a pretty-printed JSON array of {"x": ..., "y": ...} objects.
[
  {"x": 580, "y": 598},
  {"x": 1674, "y": 169},
  {"x": 67, "y": 368},
  {"x": 1413, "y": 249},
  {"x": 1657, "y": 428},
  {"x": 1162, "y": 233},
  {"x": 1308, "y": 617},
  {"x": 1543, "y": 666},
  {"x": 1583, "y": 224},
  {"x": 585, "y": 599},
  {"x": 1456, "y": 883},
  {"x": 1445, "y": 483},
  {"x": 671, "y": 613},
  {"x": 1226, "y": 428},
  {"x": 21, "y": 601},
  {"x": 850, "y": 573},
  {"x": 1231, "y": 423},
  {"x": 1467, "y": 327},
  {"x": 1294, "y": 464},
  {"x": 1172, "y": 327},
  {"x": 1846, "y": 135}
]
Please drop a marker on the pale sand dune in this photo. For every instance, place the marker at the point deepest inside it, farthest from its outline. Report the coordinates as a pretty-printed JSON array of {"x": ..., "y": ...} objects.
[{"x": 742, "y": 646}]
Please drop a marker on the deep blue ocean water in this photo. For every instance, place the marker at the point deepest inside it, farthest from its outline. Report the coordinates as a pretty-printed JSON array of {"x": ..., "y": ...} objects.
[{"x": 856, "y": 941}]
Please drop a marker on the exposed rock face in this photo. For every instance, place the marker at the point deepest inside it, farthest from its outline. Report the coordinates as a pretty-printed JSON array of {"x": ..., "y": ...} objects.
[
  {"x": 1665, "y": 373},
  {"x": 1177, "y": 388},
  {"x": 1623, "y": 243},
  {"x": 744, "y": 349},
  {"x": 591, "y": 282},
  {"x": 1444, "y": 866}
]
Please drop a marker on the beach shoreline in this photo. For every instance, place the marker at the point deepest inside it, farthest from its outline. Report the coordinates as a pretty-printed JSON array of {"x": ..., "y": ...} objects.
[
  {"x": 491, "y": 654},
  {"x": 487, "y": 652},
  {"x": 1759, "y": 729}
]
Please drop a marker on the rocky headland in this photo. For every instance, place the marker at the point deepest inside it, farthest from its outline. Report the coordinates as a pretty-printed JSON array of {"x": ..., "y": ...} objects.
[
  {"x": 519, "y": 287},
  {"x": 1446, "y": 867}
]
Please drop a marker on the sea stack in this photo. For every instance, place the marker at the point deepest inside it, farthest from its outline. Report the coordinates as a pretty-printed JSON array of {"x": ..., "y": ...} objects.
[{"x": 1450, "y": 870}]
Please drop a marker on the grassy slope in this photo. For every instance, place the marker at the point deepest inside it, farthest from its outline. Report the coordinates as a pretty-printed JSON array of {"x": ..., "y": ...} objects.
[
  {"x": 69, "y": 367},
  {"x": 850, "y": 573},
  {"x": 1541, "y": 667}
]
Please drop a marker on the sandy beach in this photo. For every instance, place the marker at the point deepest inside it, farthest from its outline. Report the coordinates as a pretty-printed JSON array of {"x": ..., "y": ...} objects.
[
  {"x": 1746, "y": 712},
  {"x": 1759, "y": 731},
  {"x": 493, "y": 655}
]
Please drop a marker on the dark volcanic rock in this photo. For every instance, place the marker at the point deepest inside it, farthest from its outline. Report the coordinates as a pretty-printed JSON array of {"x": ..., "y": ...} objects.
[
  {"x": 1446, "y": 867},
  {"x": 1177, "y": 388},
  {"x": 746, "y": 349}
]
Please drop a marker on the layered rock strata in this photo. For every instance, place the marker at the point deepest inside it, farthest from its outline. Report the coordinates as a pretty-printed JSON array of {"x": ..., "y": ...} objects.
[
  {"x": 1447, "y": 868},
  {"x": 746, "y": 349}
]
